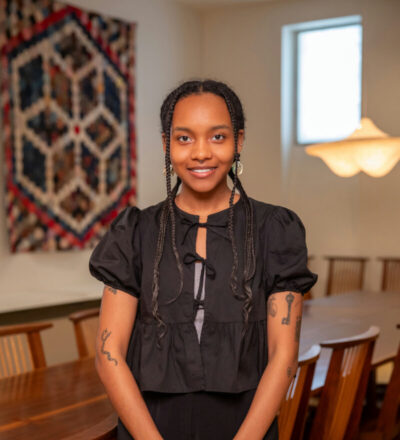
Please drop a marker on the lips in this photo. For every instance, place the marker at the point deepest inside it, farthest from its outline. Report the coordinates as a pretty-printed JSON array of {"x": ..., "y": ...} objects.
[{"x": 202, "y": 172}]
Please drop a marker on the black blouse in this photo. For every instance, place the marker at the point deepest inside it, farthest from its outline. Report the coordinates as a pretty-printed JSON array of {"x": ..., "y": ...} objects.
[{"x": 124, "y": 259}]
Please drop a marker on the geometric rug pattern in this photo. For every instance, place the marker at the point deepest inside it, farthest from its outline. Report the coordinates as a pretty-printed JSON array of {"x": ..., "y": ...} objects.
[{"x": 68, "y": 132}]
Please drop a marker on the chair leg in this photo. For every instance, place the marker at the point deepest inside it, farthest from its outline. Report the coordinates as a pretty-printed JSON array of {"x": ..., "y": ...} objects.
[{"x": 371, "y": 407}]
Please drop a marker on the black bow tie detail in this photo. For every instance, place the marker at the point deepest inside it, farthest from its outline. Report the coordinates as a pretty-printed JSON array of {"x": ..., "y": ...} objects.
[
  {"x": 207, "y": 268},
  {"x": 191, "y": 257},
  {"x": 193, "y": 223}
]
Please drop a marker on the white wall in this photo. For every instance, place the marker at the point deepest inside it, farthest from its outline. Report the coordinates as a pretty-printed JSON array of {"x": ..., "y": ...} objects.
[
  {"x": 168, "y": 50},
  {"x": 354, "y": 216},
  {"x": 242, "y": 45}
]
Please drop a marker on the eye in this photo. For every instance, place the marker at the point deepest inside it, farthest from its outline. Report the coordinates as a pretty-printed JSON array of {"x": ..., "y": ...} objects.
[
  {"x": 219, "y": 137},
  {"x": 183, "y": 138}
]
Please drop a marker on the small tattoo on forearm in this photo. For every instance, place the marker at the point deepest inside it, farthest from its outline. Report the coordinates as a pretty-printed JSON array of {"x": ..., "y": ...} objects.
[
  {"x": 298, "y": 328},
  {"x": 289, "y": 371},
  {"x": 112, "y": 290},
  {"x": 104, "y": 338},
  {"x": 271, "y": 306},
  {"x": 289, "y": 299}
]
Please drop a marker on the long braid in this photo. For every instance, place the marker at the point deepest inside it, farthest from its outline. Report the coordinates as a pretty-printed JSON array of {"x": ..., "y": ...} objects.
[
  {"x": 249, "y": 268},
  {"x": 249, "y": 262},
  {"x": 170, "y": 199},
  {"x": 168, "y": 214},
  {"x": 234, "y": 281},
  {"x": 156, "y": 270}
]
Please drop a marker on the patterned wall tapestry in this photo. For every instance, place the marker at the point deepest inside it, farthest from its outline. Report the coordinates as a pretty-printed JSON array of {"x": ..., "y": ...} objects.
[{"x": 68, "y": 123}]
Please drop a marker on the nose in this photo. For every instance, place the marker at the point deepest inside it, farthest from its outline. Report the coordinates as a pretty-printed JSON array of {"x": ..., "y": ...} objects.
[{"x": 201, "y": 150}]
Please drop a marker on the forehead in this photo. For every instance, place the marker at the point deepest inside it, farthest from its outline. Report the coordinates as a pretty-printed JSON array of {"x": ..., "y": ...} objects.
[{"x": 201, "y": 109}]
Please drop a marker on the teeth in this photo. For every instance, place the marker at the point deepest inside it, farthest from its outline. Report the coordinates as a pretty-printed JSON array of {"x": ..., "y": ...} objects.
[{"x": 204, "y": 170}]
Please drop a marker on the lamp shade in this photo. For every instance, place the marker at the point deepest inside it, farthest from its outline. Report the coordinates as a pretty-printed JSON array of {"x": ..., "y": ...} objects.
[{"x": 367, "y": 149}]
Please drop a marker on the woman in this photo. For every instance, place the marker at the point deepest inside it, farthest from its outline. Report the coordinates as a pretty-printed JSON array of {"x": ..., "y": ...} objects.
[{"x": 201, "y": 312}]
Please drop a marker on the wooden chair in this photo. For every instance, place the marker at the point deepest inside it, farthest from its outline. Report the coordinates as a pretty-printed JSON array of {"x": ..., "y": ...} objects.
[
  {"x": 390, "y": 274},
  {"x": 339, "y": 410},
  {"x": 293, "y": 411},
  {"x": 21, "y": 348},
  {"x": 387, "y": 425},
  {"x": 85, "y": 327},
  {"x": 345, "y": 274}
]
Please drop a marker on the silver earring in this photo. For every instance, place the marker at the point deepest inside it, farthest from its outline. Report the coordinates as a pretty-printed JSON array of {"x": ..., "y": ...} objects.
[
  {"x": 171, "y": 170},
  {"x": 240, "y": 167}
]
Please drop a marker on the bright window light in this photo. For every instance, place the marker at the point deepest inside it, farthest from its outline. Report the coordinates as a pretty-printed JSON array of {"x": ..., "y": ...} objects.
[{"x": 328, "y": 83}]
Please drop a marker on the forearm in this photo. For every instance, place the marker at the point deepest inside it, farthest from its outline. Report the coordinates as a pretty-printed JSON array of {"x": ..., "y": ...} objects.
[
  {"x": 127, "y": 399},
  {"x": 271, "y": 389},
  {"x": 284, "y": 323}
]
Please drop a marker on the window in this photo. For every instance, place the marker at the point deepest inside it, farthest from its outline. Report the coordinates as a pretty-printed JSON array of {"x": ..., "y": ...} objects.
[{"x": 324, "y": 60}]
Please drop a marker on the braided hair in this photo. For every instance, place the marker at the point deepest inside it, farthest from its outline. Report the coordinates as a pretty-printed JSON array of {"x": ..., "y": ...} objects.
[{"x": 168, "y": 215}]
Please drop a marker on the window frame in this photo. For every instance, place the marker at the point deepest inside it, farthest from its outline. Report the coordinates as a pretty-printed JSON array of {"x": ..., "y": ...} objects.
[{"x": 290, "y": 73}]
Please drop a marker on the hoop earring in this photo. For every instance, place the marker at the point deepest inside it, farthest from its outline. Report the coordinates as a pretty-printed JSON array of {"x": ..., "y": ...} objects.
[
  {"x": 240, "y": 167},
  {"x": 171, "y": 170}
]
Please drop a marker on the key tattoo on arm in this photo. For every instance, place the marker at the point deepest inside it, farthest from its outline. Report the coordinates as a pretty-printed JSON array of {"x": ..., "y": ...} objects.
[{"x": 289, "y": 299}]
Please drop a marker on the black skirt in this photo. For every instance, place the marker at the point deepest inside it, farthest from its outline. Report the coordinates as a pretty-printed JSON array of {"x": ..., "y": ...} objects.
[{"x": 201, "y": 415}]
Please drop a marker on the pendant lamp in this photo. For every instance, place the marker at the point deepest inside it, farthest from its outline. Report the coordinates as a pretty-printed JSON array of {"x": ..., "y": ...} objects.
[{"x": 367, "y": 149}]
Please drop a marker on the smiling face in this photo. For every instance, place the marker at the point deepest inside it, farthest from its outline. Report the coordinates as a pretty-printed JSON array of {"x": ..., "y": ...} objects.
[{"x": 202, "y": 143}]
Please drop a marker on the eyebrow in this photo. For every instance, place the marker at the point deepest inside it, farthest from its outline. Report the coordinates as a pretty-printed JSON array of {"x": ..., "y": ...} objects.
[{"x": 215, "y": 127}]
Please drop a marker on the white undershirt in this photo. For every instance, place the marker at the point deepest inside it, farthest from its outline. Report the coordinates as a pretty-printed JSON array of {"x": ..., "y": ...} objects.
[{"x": 199, "y": 318}]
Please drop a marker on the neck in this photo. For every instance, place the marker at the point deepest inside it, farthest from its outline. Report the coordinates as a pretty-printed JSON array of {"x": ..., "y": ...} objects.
[{"x": 204, "y": 204}]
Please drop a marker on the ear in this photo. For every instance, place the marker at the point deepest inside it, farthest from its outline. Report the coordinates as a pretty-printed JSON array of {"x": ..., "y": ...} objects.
[
  {"x": 240, "y": 140},
  {"x": 163, "y": 142}
]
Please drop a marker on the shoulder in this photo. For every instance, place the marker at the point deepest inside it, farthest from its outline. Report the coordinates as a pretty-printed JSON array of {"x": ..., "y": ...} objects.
[
  {"x": 276, "y": 223},
  {"x": 266, "y": 213},
  {"x": 126, "y": 220},
  {"x": 126, "y": 214},
  {"x": 132, "y": 217},
  {"x": 151, "y": 214},
  {"x": 138, "y": 214}
]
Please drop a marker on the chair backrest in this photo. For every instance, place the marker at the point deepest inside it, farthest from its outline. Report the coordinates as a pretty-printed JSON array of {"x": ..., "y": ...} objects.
[
  {"x": 293, "y": 411},
  {"x": 345, "y": 274},
  {"x": 339, "y": 410},
  {"x": 387, "y": 419},
  {"x": 21, "y": 348},
  {"x": 85, "y": 327},
  {"x": 390, "y": 274}
]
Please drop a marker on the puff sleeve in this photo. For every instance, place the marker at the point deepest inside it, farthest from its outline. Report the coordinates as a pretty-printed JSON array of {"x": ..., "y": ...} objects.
[
  {"x": 116, "y": 259},
  {"x": 286, "y": 257}
]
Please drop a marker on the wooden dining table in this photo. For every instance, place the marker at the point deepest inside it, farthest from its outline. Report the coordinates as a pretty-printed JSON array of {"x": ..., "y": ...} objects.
[
  {"x": 350, "y": 314},
  {"x": 68, "y": 401},
  {"x": 61, "y": 402}
]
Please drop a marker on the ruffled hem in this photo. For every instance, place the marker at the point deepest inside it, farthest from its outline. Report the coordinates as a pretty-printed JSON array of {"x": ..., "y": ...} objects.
[{"x": 221, "y": 362}]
